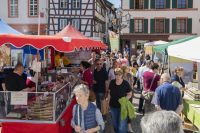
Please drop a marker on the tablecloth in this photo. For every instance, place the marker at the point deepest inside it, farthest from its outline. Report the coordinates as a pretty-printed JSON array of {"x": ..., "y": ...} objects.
[{"x": 192, "y": 113}]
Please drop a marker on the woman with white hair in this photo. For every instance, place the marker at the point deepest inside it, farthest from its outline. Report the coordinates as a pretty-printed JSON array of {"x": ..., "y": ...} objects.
[
  {"x": 162, "y": 122},
  {"x": 87, "y": 118}
]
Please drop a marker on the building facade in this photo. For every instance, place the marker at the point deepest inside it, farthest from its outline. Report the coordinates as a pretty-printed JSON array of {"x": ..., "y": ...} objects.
[
  {"x": 159, "y": 20},
  {"x": 26, "y": 16},
  {"x": 87, "y": 16}
]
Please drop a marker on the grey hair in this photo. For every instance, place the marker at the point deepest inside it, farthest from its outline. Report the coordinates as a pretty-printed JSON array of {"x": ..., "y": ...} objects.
[
  {"x": 162, "y": 122},
  {"x": 82, "y": 87},
  {"x": 165, "y": 77}
]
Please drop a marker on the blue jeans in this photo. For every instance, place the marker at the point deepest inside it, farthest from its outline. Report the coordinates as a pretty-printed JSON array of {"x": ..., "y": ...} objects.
[
  {"x": 99, "y": 97},
  {"x": 120, "y": 126}
]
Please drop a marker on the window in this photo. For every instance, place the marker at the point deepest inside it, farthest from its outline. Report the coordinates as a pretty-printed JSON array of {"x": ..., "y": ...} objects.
[
  {"x": 160, "y": 4},
  {"x": 181, "y": 26},
  {"x": 76, "y": 3},
  {"x": 13, "y": 8},
  {"x": 63, "y": 23},
  {"x": 139, "y": 4},
  {"x": 33, "y": 8},
  {"x": 138, "y": 26},
  {"x": 76, "y": 23},
  {"x": 182, "y": 4},
  {"x": 159, "y": 25},
  {"x": 63, "y": 3}
]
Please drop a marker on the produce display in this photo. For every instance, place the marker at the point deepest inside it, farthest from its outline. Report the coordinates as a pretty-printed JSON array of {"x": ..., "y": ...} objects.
[
  {"x": 194, "y": 94},
  {"x": 47, "y": 104},
  {"x": 41, "y": 108}
]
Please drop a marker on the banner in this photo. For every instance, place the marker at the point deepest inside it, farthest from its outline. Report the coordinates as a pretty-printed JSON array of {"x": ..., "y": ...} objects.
[
  {"x": 4, "y": 56},
  {"x": 78, "y": 56},
  {"x": 114, "y": 40},
  {"x": 187, "y": 66}
]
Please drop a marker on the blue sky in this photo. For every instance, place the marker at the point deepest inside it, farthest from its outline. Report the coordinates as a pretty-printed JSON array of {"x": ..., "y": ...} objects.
[{"x": 115, "y": 2}]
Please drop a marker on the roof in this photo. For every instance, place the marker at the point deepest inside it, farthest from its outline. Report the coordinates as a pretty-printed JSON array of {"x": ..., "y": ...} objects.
[
  {"x": 72, "y": 32},
  {"x": 6, "y": 29},
  {"x": 78, "y": 39},
  {"x": 162, "y": 48},
  {"x": 188, "y": 50}
]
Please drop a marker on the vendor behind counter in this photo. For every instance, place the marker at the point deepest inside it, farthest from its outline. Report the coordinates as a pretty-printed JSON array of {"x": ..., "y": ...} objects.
[
  {"x": 61, "y": 60},
  {"x": 16, "y": 80}
]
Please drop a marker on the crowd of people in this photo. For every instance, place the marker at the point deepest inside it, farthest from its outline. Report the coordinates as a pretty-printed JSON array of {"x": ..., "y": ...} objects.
[{"x": 116, "y": 77}]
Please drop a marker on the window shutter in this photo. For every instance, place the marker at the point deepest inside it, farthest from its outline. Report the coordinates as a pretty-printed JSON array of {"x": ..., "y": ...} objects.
[
  {"x": 190, "y": 3},
  {"x": 146, "y": 4},
  {"x": 152, "y": 4},
  {"x": 189, "y": 25},
  {"x": 174, "y": 25},
  {"x": 174, "y": 3},
  {"x": 132, "y": 4},
  {"x": 132, "y": 26},
  {"x": 152, "y": 25},
  {"x": 166, "y": 25},
  {"x": 168, "y": 3},
  {"x": 145, "y": 25}
]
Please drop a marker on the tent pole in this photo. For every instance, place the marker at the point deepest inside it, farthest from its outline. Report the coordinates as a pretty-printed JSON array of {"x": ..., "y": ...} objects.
[{"x": 198, "y": 74}]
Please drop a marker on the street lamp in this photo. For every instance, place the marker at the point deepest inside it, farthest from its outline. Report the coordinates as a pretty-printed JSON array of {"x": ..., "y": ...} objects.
[
  {"x": 120, "y": 17},
  {"x": 121, "y": 25}
]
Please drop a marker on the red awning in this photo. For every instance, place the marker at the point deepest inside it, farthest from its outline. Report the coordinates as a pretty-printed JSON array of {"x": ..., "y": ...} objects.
[
  {"x": 62, "y": 44},
  {"x": 79, "y": 40},
  {"x": 39, "y": 42}
]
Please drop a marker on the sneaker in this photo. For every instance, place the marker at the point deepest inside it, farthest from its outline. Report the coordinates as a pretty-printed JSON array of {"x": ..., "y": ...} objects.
[{"x": 130, "y": 129}]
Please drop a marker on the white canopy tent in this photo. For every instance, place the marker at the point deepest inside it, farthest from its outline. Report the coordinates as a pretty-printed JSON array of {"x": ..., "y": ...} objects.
[
  {"x": 149, "y": 49},
  {"x": 189, "y": 50},
  {"x": 160, "y": 42}
]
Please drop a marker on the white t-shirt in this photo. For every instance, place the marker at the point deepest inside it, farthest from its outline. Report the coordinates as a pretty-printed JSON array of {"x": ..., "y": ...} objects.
[{"x": 111, "y": 74}]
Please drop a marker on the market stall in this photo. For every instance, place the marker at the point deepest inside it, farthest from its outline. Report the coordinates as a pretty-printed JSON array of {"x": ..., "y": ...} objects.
[
  {"x": 187, "y": 55},
  {"x": 161, "y": 50},
  {"x": 148, "y": 47},
  {"x": 49, "y": 109}
]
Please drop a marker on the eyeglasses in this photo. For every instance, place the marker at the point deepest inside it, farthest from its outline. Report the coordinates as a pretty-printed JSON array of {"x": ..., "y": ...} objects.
[{"x": 99, "y": 64}]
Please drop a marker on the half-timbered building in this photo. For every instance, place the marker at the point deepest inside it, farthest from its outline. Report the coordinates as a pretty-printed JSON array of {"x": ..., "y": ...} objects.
[{"x": 88, "y": 16}]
